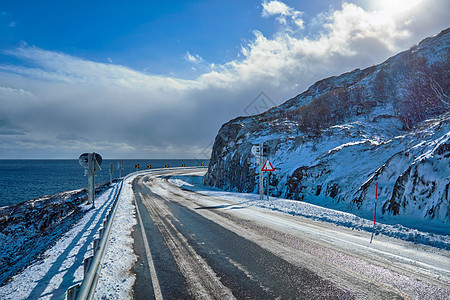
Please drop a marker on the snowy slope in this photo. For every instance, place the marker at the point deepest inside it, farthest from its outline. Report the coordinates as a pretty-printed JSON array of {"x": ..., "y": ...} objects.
[
  {"x": 28, "y": 229},
  {"x": 389, "y": 124},
  {"x": 60, "y": 264}
]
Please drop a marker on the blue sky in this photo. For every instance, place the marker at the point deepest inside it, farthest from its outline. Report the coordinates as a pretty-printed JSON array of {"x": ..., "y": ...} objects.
[
  {"x": 156, "y": 79},
  {"x": 150, "y": 36}
]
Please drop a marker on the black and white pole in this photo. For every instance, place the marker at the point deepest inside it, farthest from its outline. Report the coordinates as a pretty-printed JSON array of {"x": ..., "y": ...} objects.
[
  {"x": 374, "y": 212},
  {"x": 261, "y": 174},
  {"x": 120, "y": 168}
]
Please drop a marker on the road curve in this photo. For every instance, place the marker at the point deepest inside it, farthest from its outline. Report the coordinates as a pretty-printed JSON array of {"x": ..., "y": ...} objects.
[{"x": 193, "y": 246}]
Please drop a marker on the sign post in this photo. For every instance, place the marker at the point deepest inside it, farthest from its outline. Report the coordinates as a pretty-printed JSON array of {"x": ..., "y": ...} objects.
[
  {"x": 91, "y": 162},
  {"x": 260, "y": 152},
  {"x": 257, "y": 151},
  {"x": 91, "y": 180},
  {"x": 268, "y": 168}
]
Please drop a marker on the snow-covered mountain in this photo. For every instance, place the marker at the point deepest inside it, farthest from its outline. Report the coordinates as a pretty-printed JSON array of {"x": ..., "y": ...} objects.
[{"x": 389, "y": 123}]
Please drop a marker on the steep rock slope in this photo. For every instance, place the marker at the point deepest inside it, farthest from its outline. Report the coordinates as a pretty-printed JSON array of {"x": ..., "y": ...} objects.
[{"x": 388, "y": 123}]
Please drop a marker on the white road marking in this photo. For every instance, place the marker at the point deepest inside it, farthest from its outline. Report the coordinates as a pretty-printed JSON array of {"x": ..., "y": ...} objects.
[{"x": 148, "y": 253}]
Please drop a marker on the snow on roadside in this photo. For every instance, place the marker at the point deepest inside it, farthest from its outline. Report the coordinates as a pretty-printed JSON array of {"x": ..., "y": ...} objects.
[
  {"x": 61, "y": 265},
  {"x": 311, "y": 211},
  {"x": 116, "y": 280}
]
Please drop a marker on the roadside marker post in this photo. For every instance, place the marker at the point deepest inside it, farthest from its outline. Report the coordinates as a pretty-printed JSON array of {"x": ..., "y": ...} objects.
[
  {"x": 261, "y": 174},
  {"x": 111, "y": 171},
  {"x": 120, "y": 168},
  {"x": 375, "y": 212}
]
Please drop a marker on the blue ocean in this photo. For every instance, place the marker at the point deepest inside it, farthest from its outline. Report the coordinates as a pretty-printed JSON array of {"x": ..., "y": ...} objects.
[{"x": 22, "y": 180}]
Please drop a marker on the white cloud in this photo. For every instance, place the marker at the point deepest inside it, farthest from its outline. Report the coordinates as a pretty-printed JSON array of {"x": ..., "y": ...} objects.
[
  {"x": 349, "y": 37},
  {"x": 395, "y": 7},
  {"x": 275, "y": 8},
  {"x": 8, "y": 93},
  {"x": 196, "y": 59},
  {"x": 56, "y": 66},
  {"x": 282, "y": 11},
  {"x": 127, "y": 112}
]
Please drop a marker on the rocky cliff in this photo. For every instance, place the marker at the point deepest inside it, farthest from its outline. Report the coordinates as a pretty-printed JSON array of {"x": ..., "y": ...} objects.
[{"x": 389, "y": 123}]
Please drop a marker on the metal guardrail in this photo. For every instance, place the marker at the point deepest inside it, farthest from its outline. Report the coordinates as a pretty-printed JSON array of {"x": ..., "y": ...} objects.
[{"x": 93, "y": 264}]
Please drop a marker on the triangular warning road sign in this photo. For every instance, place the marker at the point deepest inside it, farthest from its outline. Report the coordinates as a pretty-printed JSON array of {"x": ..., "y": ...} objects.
[{"x": 268, "y": 166}]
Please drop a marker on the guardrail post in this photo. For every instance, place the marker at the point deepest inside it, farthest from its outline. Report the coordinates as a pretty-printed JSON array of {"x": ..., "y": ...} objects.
[
  {"x": 87, "y": 263},
  {"x": 100, "y": 232},
  {"x": 96, "y": 245},
  {"x": 72, "y": 292}
]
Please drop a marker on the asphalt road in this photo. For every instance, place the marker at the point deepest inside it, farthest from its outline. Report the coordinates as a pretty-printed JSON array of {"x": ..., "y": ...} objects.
[{"x": 193, "y": 246}]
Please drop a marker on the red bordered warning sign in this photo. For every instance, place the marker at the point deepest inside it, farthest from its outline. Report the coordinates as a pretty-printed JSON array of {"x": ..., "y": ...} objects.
[{"x": 268, "y": 167}]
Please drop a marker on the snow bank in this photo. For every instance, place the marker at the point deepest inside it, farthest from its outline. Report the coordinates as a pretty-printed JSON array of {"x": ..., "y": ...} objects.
[
  {"x": 420, "y": 235},
  {"x": 61, "y": 266},
  {"x": 116, "y": 280}
]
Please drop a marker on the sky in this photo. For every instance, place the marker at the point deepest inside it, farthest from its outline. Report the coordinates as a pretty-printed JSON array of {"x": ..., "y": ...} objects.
[{"x": 157, "y": 79}]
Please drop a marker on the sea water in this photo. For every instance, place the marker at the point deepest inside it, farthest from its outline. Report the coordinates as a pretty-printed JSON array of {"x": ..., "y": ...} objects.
[{"x": 22, "y": 180}]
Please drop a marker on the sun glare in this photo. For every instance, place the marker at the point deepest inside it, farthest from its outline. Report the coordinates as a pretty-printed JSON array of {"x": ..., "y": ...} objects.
[{"x": 394, "y": 6}]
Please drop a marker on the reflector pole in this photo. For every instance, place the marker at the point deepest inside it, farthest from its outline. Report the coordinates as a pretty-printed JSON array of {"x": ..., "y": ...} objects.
[
  {"x": 375, "y": 212},
  {"x": 261, "y": 178}
]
